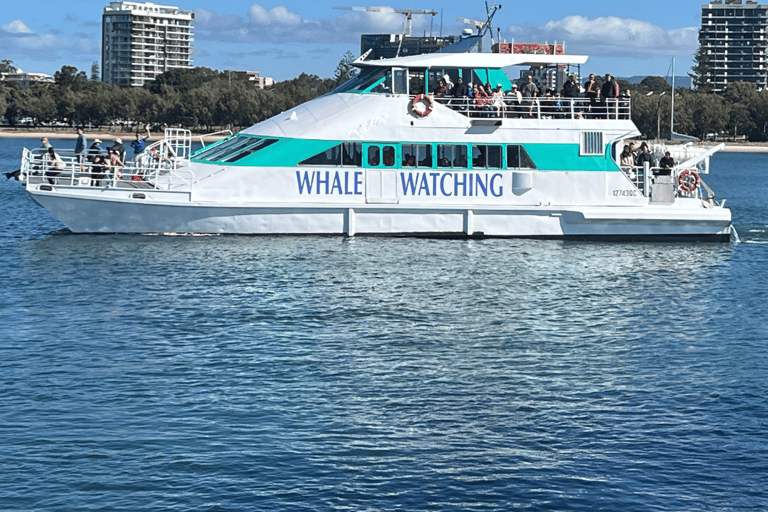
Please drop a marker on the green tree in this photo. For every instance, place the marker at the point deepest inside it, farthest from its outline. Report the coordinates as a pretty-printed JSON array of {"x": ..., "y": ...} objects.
[
  {"x": 69, "y": 76},
  {"x": 701, "y": 72},
  {"x": 6, "y": 66},
  {"x": 345, "y": 70},
  {"x": 3, "y": 101},
  {"x": 656, "y": 84},
  {"x": 711, "y": 115}
]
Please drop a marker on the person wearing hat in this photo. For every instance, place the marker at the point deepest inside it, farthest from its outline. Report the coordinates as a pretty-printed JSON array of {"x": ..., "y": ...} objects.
[
  {"x": 119, "y": 149},
  {"x": 498, "y": 101},
  {"x": 95, "y": 150},
  {"x": 515, "y": 101}
]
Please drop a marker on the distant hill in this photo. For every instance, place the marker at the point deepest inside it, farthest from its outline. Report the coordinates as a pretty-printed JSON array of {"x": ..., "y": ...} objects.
[{"x": 680, "y": 81}]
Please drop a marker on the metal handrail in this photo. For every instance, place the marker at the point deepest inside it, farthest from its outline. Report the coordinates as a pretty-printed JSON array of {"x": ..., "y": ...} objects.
[
  {"x": 539, "y": 108},
  {"x": 202, "y": 142},
  {"x": 36, "y": 168}
]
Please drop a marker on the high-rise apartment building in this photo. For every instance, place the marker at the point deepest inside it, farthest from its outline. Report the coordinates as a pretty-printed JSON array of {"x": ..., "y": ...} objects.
[
  {"x": 141, "y": 40},
  {"x": 734, "y": 39}
]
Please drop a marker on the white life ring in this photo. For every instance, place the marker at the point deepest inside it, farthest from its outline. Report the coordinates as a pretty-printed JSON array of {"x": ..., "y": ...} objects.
[{"x": 422, "y": 105}]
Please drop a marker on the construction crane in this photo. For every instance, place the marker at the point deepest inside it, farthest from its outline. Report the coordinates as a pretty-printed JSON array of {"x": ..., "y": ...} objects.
[
  {"x": 482, "y": 26},
  {"x": 408, "y": 13}
]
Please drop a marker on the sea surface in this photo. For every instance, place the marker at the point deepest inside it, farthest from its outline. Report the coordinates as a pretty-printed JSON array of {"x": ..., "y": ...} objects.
[{"x": 372, "y": 374}]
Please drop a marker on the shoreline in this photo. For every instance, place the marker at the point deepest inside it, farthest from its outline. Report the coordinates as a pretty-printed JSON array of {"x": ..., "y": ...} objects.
[{"x": 757, "y": 147}]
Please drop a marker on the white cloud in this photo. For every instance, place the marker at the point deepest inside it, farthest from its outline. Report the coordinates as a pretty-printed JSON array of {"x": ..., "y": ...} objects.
[
  {"x": 17, "y": 27},
  {"x": 610, "y": 36},
  {"x": 281, "y": 24},
  {"x": 280, "y": 15}
]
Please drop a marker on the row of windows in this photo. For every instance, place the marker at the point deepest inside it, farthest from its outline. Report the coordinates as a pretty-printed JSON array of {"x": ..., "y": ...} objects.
[
  {"x": 351, "y": 154},
  {"x": 234, "y": 149},
  {"x": 483, "y": 156}
]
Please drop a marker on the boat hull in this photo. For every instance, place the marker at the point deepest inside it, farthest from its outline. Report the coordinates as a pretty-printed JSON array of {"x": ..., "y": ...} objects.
[{"x": 686, "y": 220}]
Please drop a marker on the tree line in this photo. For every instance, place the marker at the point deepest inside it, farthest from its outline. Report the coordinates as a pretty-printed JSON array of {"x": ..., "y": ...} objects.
[{"x": 206, "y": 100}]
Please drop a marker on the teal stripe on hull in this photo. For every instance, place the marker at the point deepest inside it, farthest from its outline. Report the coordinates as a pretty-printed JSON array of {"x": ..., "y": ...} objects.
[{"x": 547, "y": 157}]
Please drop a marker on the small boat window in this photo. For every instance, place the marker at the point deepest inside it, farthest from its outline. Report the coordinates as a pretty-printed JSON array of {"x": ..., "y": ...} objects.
[
  {"x": 450, "y": 155},
  {"x": 373, "y": 156},
  {"x": 417, "y": 155},
  {"x": 346, "y": 153},
  {"x": 517, "y": 158},
  {"x": 486, "y": 157},
  {"x": 416, "y": 81},
  {"x": 389, "y": 156},
  {"x": 401, "y": 81}
]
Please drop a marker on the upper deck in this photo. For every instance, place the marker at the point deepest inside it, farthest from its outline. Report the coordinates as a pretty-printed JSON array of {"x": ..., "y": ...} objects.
[{"x": 450, "y": 79}]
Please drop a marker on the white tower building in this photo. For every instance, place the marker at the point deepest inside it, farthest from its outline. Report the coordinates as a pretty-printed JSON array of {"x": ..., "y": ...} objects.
[{"x": 141, "y": 40}]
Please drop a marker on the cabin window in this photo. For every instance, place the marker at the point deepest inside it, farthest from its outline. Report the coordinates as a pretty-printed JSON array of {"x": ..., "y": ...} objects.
[
  {"x": 383, "y": 82},
  {"x": 401, "y": 81},
  {"x": 238, "y": 155},
  {"x": 591, "y": 143},
  {"x": 486, "y": 157},
  {"x": 346, "y": 153},
  {"x": 389, "y": 156},
  {"x": 352, "y": 154},
  {"x": 374, "y": 157},
  {"x": 232, "y": 144},
  {"x": 451, "y": 155},
  {"x": 416, "y": 81},
  {"x": 517, "y": 158},
  {"x": 376, "y": 79},
  {"x": 417, "y": 155}
]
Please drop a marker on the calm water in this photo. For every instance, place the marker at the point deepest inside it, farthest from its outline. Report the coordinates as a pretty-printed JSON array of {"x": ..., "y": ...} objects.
[{"x": 240, "y": 373}]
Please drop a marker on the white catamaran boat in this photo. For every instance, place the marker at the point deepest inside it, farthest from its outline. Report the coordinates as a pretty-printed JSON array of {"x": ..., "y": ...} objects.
[{"x": 382, "y": 155}]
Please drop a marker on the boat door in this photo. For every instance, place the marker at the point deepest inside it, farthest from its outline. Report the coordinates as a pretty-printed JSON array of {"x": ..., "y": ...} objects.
[{"x": 380, "y": 174}]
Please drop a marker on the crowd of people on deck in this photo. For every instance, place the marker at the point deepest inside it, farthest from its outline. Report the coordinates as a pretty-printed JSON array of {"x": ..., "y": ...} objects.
[
  {"x": 530, "y": 100},
  {"x": 97, "y": 161},
  {"x": 632, "y": 160}
]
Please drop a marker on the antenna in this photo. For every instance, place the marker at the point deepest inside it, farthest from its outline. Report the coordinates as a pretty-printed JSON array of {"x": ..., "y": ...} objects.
[
  {"x": 407, "y": 12},
  {"x": 483, "y": 26}
]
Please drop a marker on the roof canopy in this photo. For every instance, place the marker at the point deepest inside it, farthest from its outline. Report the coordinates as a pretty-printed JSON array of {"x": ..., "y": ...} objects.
[{"x": 473, "y": 60}]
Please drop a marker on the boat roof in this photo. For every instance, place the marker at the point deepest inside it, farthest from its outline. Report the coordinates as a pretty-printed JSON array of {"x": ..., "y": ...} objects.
[{"x": 473, "y": 60}]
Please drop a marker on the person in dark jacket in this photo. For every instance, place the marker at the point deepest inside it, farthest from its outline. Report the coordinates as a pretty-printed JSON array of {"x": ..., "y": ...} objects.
[
  {"x": 609, "y": 92},
  {"x": 645, "y": 156},
  {"x": 95, "y": 150}
]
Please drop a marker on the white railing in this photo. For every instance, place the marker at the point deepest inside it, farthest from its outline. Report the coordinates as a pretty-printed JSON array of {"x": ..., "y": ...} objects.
[
  {"x": 72, "y": 171},
  {"x": 539, "y": 108},
  {"x": 221, "y": 132}
]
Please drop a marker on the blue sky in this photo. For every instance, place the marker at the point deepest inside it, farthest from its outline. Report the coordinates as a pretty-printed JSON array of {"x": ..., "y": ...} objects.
[{"x": 285, "y": 38}]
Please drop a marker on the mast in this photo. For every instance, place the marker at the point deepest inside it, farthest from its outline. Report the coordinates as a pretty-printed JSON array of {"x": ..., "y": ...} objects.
[{"x": 672, "y": 113}]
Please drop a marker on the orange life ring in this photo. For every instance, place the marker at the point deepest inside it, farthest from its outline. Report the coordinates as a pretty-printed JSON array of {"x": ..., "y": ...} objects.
[
  {"x": 688, "y": 180},
  {"x": 422, "y": 105}
]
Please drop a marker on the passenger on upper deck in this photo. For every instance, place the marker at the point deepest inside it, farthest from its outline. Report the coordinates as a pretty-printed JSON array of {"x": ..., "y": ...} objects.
[
  {"x": 498, "y": 101},
  {"x": 441, "y": 90},
  {"x": 592, "y": 91},
  {"x": 571, "y": 88},
  {"x": 515, "y": 102},
  {"x": 609, "y": 92},
  {"x": 530, "y": 92},
  {"x": 459, "y": 92}
]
